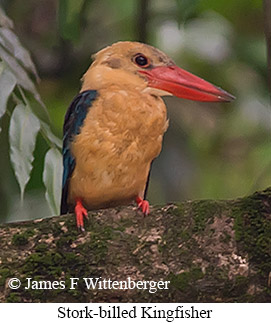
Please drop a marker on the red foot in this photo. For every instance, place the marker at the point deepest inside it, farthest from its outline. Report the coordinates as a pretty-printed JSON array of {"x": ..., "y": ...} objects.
[
  {"x": 80, "y": 212},
  {"x": 143, "y": 205}
]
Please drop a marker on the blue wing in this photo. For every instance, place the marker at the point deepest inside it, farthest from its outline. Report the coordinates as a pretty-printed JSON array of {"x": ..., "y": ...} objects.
[{"x": 74, "y": 119}]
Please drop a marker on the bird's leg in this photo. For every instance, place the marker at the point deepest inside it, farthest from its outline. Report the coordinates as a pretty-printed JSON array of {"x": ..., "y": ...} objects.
[
  {"x": 143, "y": 205},
  {"x": 80, "y": 212}
]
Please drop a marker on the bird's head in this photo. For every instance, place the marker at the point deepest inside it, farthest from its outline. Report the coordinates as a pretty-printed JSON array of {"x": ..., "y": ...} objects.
[{"x": 145, "y": 68}]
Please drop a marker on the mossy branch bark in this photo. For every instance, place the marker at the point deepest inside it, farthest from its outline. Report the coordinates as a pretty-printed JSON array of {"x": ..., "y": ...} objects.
[{"x": 210, "y": 251}]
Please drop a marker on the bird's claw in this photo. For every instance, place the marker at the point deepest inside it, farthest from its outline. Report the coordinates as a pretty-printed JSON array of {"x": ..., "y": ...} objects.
[
  {"x": 80, "y": 213},
  {"x": 143, "y": 205}
]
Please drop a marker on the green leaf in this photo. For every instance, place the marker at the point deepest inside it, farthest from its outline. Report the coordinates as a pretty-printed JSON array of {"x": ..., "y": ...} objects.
[
  {"x": 52, "y": 176},
  {"x": 7, "y": 84},
  {"x": 4, "y": 20},
  {"x": 12, "y": 44},
  {"x": 69, "y": 18},
  {"x": 17, "y": 58},
  {"x": 48, "y": 133},
  {"x": 24, "y": 126},
  {"x": 19, "y": 72}
]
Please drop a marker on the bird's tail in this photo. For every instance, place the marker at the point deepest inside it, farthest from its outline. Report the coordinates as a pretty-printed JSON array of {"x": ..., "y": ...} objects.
[{"x": 64, "y": 201}]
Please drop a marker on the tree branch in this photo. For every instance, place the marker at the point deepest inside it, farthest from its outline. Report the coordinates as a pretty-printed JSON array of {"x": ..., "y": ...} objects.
[
  {"x": 142, "y": 20},
  {"x": 210, "y": 251}
]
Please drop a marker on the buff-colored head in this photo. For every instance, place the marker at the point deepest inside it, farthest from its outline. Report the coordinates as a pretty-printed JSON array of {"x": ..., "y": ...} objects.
[{"x": 144, "y": 68}]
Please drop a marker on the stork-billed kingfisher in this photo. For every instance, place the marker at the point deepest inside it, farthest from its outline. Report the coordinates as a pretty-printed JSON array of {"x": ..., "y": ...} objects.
[{"x": 114, "y": 127}]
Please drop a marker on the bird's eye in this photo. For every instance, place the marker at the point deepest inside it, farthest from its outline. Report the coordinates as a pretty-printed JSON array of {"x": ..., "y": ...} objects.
[{"x": 141, "y": 60}]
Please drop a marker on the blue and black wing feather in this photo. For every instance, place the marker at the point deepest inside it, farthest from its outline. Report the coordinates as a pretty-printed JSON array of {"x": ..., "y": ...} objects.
[{"x": 74, "y": 119}]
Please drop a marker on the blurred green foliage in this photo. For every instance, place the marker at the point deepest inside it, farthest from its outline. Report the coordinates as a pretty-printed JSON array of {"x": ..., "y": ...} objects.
[
  {"x": 210, "y": 150},
  {"x": 69, "y": 18}
]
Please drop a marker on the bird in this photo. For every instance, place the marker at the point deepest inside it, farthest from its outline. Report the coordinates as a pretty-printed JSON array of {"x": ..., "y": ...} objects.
[{"x": 114, "y": 127}]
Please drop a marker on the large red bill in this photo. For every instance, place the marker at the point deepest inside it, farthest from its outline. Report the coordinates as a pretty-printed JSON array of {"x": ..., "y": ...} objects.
[{"x": 185, "y": 85}]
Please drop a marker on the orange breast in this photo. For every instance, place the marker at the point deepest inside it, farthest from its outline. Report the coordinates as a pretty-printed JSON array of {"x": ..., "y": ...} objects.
[{"x": 121, "y": 135}]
